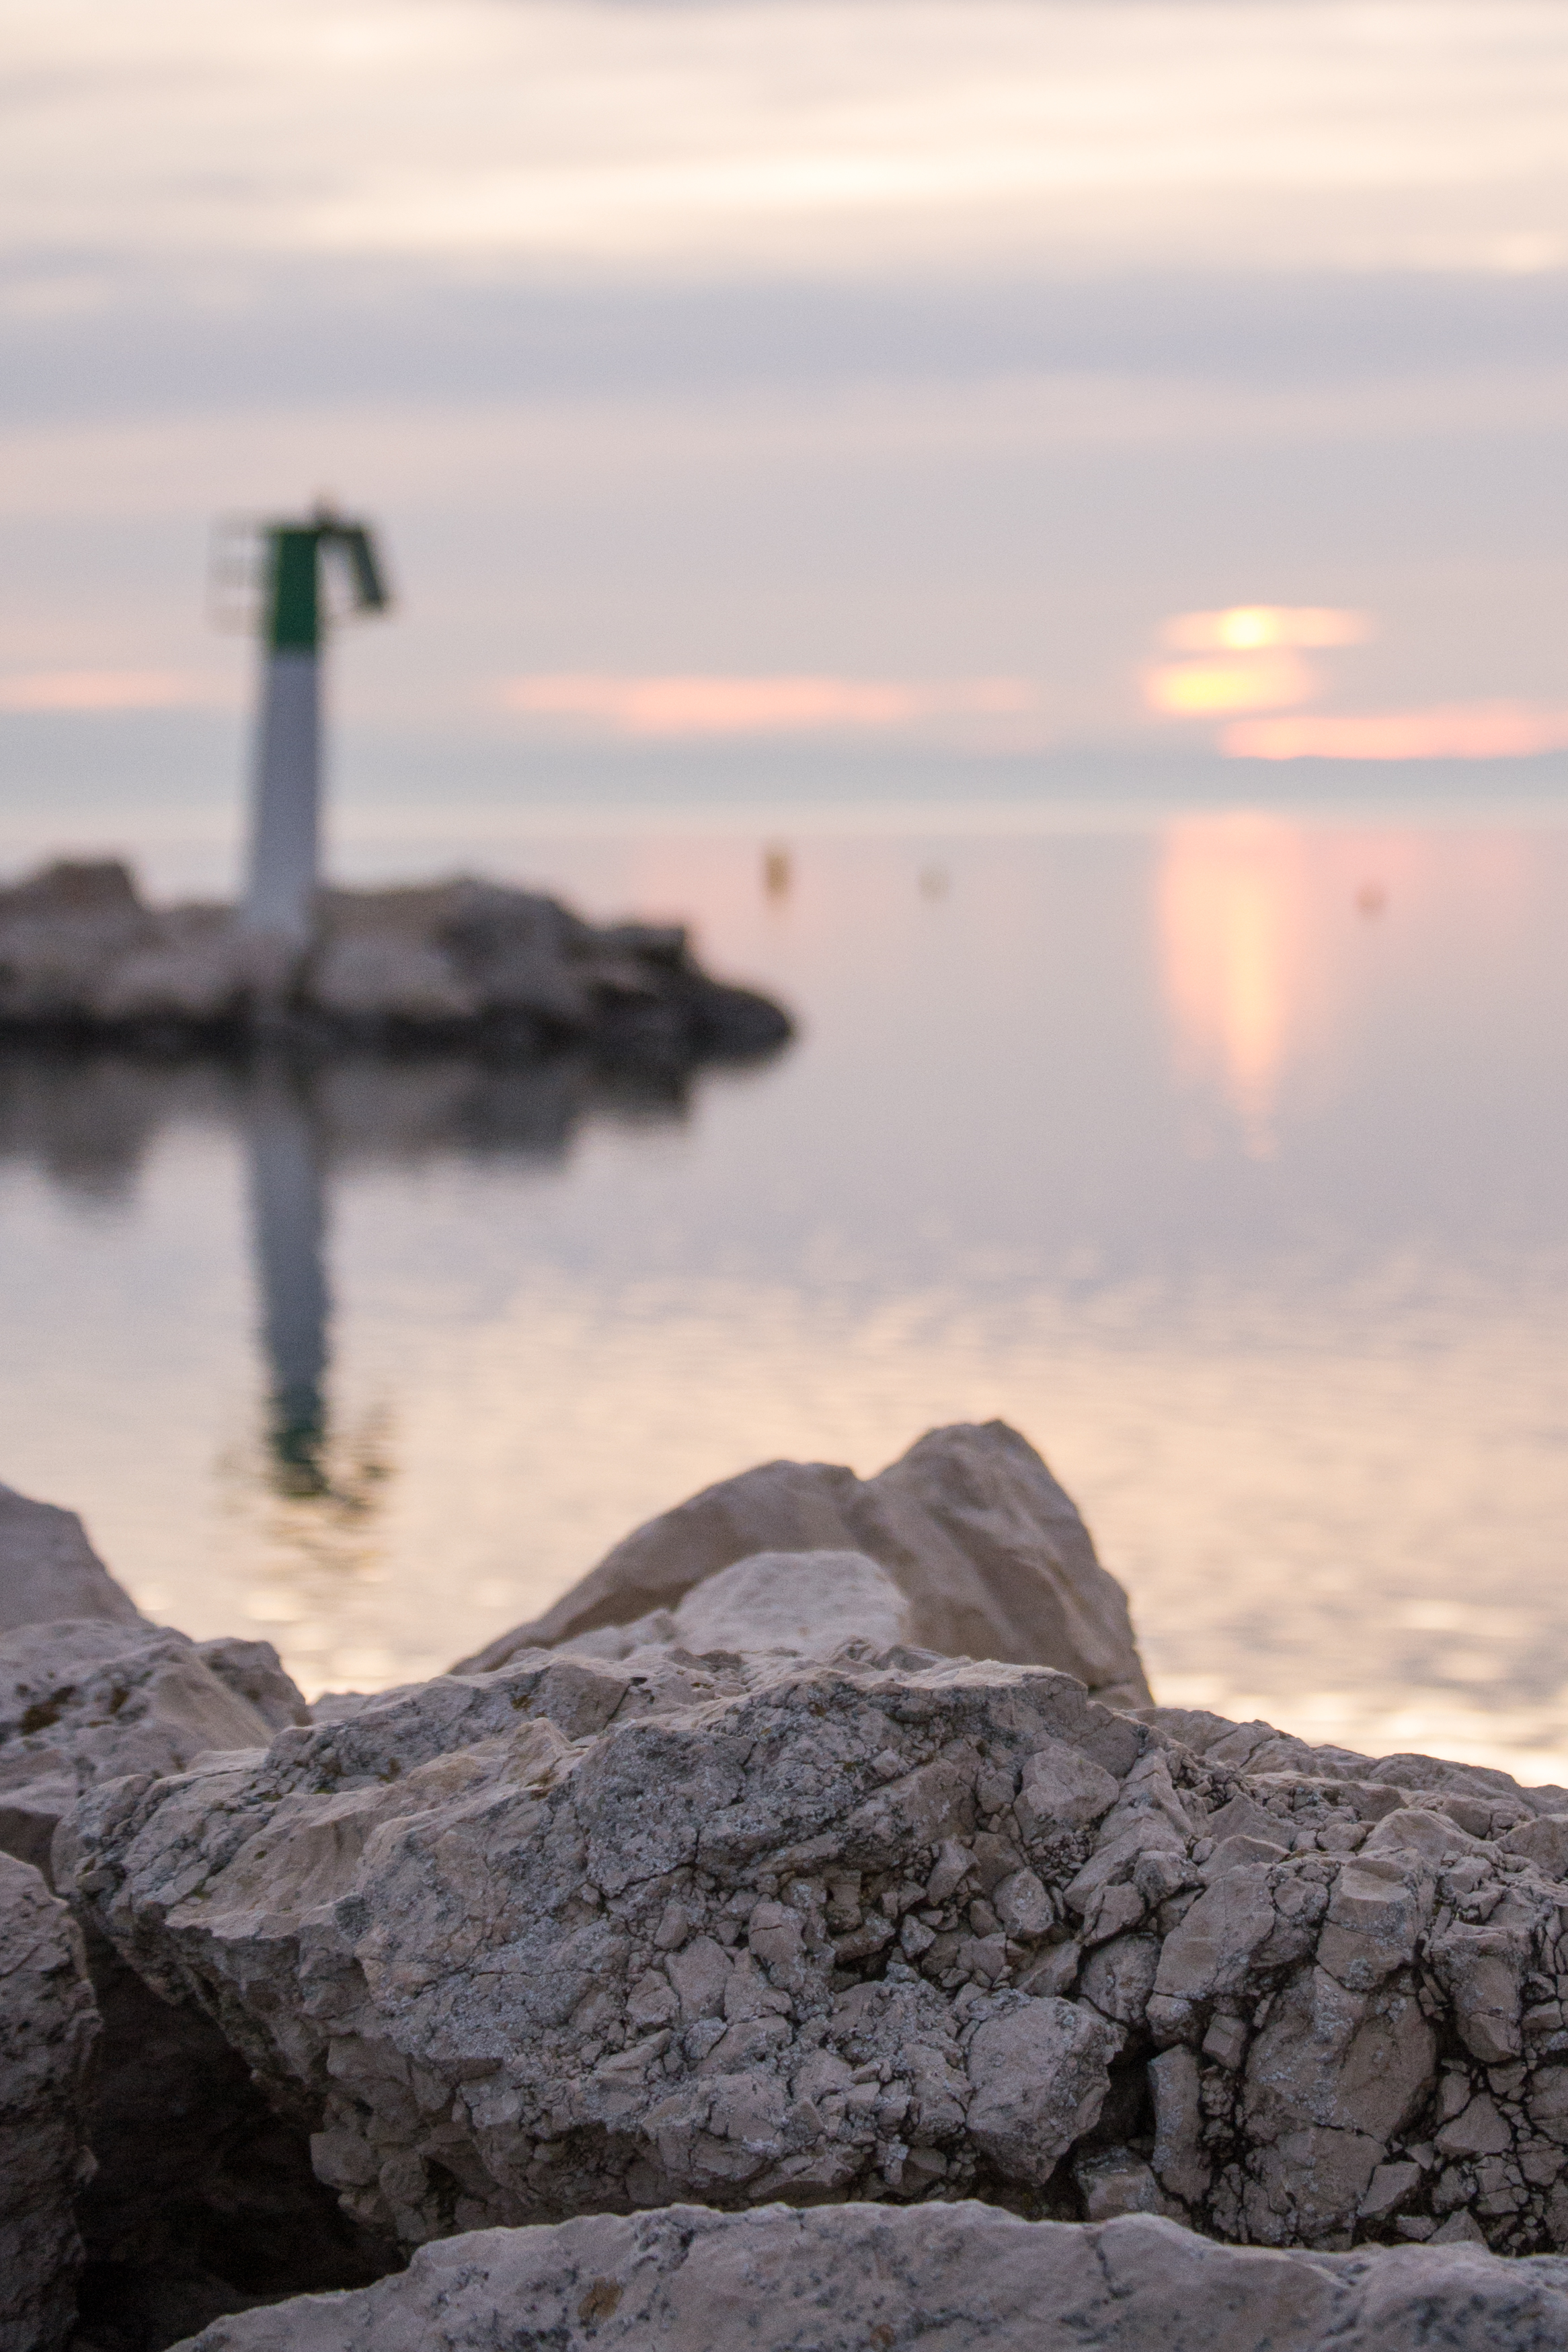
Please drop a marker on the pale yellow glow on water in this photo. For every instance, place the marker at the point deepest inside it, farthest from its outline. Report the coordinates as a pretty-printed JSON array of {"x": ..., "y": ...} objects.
[{"x": 1231, "y": 915}]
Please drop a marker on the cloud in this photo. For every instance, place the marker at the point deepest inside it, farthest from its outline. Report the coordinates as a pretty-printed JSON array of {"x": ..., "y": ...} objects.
[
  {"x": 814, "y": 136},
  {"x": 1251, "y": 628},
  {"x": 1455, "y": 731},
  {"x": 1259, "y": 668},
  {"x": 1199, "y": 689},
  {"x": 698, "y": 705},
  {"x": 108, "y": 689}
]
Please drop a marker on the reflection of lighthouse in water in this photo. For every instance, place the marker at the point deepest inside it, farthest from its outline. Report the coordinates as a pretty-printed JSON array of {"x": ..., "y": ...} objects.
[{"x": 287, "y": 1217}]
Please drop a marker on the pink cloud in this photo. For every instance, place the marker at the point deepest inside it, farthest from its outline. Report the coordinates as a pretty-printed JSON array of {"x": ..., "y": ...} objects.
[
  {"x": 696, "y": 705},
  {"x": 103, "y": 689},
  {"x": 1456, "y": 731}
]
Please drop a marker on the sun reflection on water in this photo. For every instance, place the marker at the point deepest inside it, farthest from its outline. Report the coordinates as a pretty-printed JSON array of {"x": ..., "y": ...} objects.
[{"x": 1235, "y": 930}]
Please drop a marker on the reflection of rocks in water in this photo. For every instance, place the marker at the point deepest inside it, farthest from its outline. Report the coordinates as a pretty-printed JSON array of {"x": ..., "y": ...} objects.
[
  {"x": 309, "y": 1478},
  {"x": 380, "y": 1107},
  {"x": 86, "y": 1117},
  {"x": 302, "y": 1119}
]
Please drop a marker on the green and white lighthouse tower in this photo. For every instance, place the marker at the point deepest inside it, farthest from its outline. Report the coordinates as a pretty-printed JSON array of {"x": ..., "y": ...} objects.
[{"x": 285, "y": 819}]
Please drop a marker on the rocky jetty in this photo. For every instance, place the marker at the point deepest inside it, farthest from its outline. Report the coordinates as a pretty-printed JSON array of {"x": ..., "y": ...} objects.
[
  {"x": 450, "y": 963},
  {"x": 641, "y": 1981}
]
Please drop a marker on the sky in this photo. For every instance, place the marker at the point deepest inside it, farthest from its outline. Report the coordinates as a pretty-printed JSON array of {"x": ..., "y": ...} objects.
[{"x": 790, "y": 395}]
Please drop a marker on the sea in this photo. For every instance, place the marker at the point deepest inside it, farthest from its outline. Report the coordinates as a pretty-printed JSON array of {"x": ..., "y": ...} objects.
[{"x": 1217, "y": 1142}]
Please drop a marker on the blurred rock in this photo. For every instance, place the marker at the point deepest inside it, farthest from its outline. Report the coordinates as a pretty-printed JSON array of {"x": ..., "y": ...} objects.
[
  {"x": 987, "y": 1549},
  {"x": 50, "y": 1571},
  {"x": 806, "y": 1602},
  {"x": 254, "y": 1671},
  {"x": 82, "y": 955},
  {"x": 48, "y": 2025}
]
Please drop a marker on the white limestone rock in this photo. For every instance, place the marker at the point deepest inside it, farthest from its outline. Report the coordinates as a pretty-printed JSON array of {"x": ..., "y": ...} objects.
[
  {"x": 253, "y": 1671},
  {"x": 1040, "y": 2071},
  {"x": 573, "y": 1935},
  {"x": 586, "y": 1933},
  {"x": 947, "y": 2278},
  {"x": 805, "y": 1602},
  {"x": 987, "y": 1550},
  {"x": 48, "y": 2025}
]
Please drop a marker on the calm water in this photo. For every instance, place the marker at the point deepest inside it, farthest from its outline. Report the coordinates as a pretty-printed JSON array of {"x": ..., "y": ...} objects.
[{"x": 1226, "y": 1156}]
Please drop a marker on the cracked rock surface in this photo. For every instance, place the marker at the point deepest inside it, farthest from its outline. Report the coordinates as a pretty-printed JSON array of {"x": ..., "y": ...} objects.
[
  {"x": 860, "y": 2278},
  {"x": 48, "y": 2025},
  {"x": 988, "y": 1552},
  {"x": 585, "y": 1933},
  {"x": 591, "y": 1934}
]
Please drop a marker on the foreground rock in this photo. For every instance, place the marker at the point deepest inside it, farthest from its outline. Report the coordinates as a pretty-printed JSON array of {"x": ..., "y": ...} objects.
[
  {"x": 47, "y": 2028},
  {"x": 50, "y": 1571},
  {"x": 988, "y": 1551},
  {"x": 947, "y": 2278},
  {"x": 93, "y": 1698},
  {"x": 201, "y": 2191},
  {"x": 80, "y": 952},
  {"x": 588, "y": 1935}
]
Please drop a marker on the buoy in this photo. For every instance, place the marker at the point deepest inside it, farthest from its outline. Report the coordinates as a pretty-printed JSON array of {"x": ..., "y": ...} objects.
[{"x": 285, "y": 817}]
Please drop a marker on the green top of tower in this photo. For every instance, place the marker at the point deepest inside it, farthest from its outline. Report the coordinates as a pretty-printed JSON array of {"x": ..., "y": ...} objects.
[{"x": 294, "y": 576}]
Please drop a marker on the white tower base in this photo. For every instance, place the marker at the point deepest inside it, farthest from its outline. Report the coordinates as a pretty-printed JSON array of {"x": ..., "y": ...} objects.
[{"x": 280, "y": 891}]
